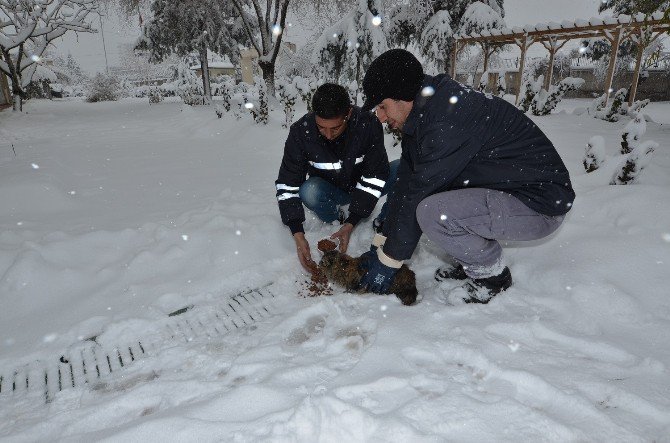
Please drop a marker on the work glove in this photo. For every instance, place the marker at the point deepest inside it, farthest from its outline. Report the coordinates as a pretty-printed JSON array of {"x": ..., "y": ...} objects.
[
  {"x": 377, "y": 241},
  {"x": 379, "y": 277}
]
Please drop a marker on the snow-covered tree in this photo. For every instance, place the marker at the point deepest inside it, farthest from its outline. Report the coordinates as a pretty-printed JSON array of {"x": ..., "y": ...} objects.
[
  {"x": 27, "y": 28},
  {"x": 345, "y": 50},
  {"x": 480, "y": 17},
  {"x": 595, "y": 153},
  {"x": 630, "y": 7},
  {"x": 406, "y": 22},
  {"x": 265, "y": 28},
  {"x": 634, "y": 163},
  {"x": 189, "y": 26},
  {"x": 531, "y": 88},
  {"x": 437, "y": 40}
]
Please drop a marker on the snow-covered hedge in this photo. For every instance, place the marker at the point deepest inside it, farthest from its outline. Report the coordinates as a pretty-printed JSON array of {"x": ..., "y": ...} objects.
[{"x": 102, "y": 88}]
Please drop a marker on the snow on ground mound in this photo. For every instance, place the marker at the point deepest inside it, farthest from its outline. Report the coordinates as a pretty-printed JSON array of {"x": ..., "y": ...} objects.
[{"x": 135, "y": 212}]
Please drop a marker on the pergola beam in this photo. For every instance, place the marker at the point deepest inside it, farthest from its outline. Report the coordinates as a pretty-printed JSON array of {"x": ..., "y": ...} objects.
[{"x": 615, "y": 30}]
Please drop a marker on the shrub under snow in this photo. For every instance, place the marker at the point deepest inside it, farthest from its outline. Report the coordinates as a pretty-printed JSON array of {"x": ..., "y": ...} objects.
[
  {"x": 632, "y": 132},
  {"x": 595, "y": 153},
  {"x": 630, "y": 169},
  {"x": 103, "y": 88}
]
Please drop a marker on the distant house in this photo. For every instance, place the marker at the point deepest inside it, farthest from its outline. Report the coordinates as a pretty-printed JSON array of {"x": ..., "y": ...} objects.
[
  {"x": 216, "y": 68},
  {"x": 249, "y": 60}
]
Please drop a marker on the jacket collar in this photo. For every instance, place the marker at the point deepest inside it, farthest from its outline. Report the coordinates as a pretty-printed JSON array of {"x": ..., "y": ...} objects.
[{"x": 420, "y": 102}]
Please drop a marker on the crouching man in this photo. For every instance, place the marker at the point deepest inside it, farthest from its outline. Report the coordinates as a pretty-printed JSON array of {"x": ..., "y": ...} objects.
[
  {"x": 341, "y": 150},
  {"x": 474, "y": 170}
]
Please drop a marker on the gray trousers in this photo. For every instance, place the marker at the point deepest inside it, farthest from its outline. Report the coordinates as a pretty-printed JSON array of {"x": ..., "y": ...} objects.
[{"x": 467, "y": 224}]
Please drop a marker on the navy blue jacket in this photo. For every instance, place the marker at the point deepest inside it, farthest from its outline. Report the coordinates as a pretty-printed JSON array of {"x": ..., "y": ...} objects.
[
  {"x": 459, "y": 138},
  {"x": 357, "y": 164}
]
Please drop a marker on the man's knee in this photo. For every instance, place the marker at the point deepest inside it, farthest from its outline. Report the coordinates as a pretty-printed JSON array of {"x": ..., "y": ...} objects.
[
  {"x": 310, "y": 192},
  {"x": 432, "y": 218}
]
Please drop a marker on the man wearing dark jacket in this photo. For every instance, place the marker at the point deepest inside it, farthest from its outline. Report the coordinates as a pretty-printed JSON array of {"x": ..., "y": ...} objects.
[
  {"x": 474, "y": 170},
  {"x": 342, "y": 151}
]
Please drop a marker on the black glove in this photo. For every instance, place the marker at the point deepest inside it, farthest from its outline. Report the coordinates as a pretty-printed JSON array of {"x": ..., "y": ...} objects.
[{"x": 378, "y": 277}]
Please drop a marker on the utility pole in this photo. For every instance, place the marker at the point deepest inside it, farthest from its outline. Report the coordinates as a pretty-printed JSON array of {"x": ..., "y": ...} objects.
[{"x": 104, "y": 46}]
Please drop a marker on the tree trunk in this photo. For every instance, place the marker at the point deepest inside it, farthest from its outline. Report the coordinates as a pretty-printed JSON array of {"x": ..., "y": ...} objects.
[
  {"x": 204, "y": 67},
  {"x": 268, "y": 69}
]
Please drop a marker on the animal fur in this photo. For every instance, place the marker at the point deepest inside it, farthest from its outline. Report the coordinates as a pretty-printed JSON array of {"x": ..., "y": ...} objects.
[{"x": 346, "y": 271}]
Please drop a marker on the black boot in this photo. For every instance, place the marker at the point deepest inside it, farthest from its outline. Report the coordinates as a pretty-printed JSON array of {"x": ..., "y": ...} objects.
[
  {"x": 450, "y": 271},
  {"x": 482, "y": 290}
]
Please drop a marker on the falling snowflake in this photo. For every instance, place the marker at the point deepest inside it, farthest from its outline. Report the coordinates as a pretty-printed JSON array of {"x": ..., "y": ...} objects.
[
  {"x": 184, "y": 237},
  {"x": 453, "y": 100},
  {"x": 428, "y": 91},
  {"x": 376, "y": 20},
  {"x": 35, "y": 165}
]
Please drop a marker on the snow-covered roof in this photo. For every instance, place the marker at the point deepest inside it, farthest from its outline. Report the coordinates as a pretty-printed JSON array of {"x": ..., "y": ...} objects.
[
  {"x": 565, "y": 26},
  {"x": 217, "y": 65}
]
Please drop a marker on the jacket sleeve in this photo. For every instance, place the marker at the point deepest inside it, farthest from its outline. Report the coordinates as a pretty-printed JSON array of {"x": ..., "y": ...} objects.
[
  {"x": 292, "y": 174},
  {"x": 375, "y": 172},
  {"x": 444, "y": 150}
]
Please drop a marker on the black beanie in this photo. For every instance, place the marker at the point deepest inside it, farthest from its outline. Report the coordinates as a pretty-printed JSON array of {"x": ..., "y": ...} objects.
[{"x": 395, "y": 74}]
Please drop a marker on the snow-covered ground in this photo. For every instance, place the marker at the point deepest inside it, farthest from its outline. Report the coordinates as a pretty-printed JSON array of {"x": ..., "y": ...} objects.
[{"x": 116, "y": 214}]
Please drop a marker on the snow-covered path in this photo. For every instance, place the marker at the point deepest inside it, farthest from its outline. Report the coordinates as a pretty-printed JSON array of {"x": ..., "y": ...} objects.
[{"x": 120, "y": 213}]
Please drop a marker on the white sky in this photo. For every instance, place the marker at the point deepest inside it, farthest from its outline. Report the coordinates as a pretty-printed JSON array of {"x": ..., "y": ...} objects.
[{"x": 89, "y": 52}]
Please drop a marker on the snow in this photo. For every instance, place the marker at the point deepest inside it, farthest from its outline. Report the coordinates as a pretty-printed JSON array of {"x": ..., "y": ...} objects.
[{"x": 137, "y": 210}]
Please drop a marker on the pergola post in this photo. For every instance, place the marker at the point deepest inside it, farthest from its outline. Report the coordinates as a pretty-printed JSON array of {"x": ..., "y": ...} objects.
[
  {"x": 613, "y": 56},
  {"x": 641, "y": 46},
  {"x": 454, "y": 57},
  {"x": 522, "y": 64}
]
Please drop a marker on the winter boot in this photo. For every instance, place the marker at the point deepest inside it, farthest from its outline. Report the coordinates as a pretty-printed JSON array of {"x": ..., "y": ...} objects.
[
  {"x": 482, "y": 290},
  {"x": 450, "y": 271}
]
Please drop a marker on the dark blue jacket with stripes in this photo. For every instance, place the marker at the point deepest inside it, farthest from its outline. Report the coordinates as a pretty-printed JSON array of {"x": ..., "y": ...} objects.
[
  {"x": 460, "y": 138},
  {"x": 361, "y": 169}
]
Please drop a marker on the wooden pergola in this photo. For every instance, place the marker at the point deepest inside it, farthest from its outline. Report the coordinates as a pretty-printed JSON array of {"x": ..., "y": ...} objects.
[{"x": 640, "y": 28}]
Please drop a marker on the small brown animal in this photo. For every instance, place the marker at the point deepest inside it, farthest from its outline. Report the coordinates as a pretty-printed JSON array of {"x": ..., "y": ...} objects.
[{"x": 345, "y": 270}]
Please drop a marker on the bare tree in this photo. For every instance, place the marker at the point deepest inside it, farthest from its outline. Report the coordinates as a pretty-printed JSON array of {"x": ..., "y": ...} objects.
[
  {"x": 27, "y": 27},
  {"x": 266, "y": 33}
]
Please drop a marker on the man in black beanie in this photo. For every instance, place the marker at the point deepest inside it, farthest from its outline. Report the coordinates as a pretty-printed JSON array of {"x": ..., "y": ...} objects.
[{"x": 474, "y": 170}]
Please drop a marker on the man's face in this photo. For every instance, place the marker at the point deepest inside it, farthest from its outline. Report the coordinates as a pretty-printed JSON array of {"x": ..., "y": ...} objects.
[
  {"x": 394, "y": 112},
  {"x": 331, "y": 128}
]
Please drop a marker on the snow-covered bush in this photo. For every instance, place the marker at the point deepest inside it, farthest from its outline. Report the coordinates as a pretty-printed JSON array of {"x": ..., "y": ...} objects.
[
  {"x": 501, "y": 85},
  {"x": 306, "y": 88},
  {"x": 615, "y": 108},
  {"x": 630, "y": 169},
  {"x": 224, "y": 86},
  {"x": 155, "y": 95},
  {"x": 219, "y": 110},
  {"x": 531, "y": 88},
  {"x": 352, "y": 89},
  {"x": 102, "y": 88},
  {"x": 632, "y": 133},
  {"x": 595, "y": 153},
  {"x": 187, "y": 85},
  {"x": 545, "y": 101},
  {"x": 255, "y": 101},
  {"x": 287, "y": 94}
]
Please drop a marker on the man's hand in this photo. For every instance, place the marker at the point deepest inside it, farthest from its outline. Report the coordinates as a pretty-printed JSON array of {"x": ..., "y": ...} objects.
[
  {"x": 343, "y": 236},
  {"x": 304, "y": 255}
]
